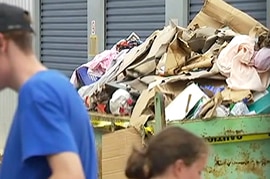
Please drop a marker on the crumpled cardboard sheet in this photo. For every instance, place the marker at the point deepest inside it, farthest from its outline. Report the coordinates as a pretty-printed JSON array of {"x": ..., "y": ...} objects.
[
  {"x": 136, "y": 54},
  {"x": 211, "y": 75},
  {"x": 142, "y": 111},
  {"x": 201, "y": 61},
  {"x": 208, "y": 109},
  {"x": 148, "y": 64},
  {"x": 175, "y": 57},
  {"x": 227, "y": 96},
  {"x": 217, "y": 13},
  {"x": 234, "y": 96},
  {"x": 199, "y": 36}
]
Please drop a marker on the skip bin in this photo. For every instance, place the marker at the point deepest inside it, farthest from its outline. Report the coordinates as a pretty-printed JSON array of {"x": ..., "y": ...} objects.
[{"x": 240, "y": 146}]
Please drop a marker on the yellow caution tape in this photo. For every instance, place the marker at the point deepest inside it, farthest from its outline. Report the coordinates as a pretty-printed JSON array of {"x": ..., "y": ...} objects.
[
  {"x": 149, "y": 130},
  {"x": 210, "y": 140},
  {"x": 99, "y": 123},
  {"x": 123, "y": 124},
  {"x": 238, "y": 138}
]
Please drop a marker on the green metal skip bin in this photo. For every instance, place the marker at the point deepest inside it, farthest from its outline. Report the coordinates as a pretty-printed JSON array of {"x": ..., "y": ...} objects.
[{"x": 240, "y": 146}]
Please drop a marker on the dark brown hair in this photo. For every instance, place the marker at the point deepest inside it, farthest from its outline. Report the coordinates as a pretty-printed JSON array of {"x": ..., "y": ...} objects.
[
  {"x": 22, "y": 39},
  {"x": 168, "y": 146}
]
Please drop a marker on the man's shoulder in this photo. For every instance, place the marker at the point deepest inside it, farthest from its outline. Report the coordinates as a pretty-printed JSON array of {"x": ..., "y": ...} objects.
[
  {"x": 50, "y": 84},
  {"x": 49, "y": 78}
]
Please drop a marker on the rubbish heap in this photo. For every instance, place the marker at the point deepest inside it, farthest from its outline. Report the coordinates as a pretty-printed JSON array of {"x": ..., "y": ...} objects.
[{"x": 215, "y": 67}]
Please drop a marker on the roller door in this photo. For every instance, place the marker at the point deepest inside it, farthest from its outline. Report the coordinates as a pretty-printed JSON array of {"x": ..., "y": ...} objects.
[
  {"x": 141, "y": 16},
  {"x": 63, "y": 34}
]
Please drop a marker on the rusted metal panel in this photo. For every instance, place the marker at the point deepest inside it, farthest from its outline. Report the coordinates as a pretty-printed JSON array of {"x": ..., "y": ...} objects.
[
  {"x": 228, "y": 126},
  {"x": 248, "y": 160},
  {"x": 240, "y": 146}
]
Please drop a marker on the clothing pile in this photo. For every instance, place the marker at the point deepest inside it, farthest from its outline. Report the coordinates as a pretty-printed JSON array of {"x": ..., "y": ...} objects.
[
  {"x": 91, "y": 80},
  {"x": 214, "y": 67}
]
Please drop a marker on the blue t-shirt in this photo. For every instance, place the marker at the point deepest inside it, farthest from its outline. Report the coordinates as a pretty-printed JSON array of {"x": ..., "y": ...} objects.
[{"x": 50, "y": 118}]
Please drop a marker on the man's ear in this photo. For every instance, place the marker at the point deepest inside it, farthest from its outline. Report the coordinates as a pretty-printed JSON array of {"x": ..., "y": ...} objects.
[{"x": 3, "y": 43}]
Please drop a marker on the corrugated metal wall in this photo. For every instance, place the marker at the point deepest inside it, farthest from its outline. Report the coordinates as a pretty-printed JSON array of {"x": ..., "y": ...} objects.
[
  {"x": 255, "y": 8},
  {"x": 63, "y": 34},
  {"x": 124, "y": 17},
  {"x": 8, "y": 98}
]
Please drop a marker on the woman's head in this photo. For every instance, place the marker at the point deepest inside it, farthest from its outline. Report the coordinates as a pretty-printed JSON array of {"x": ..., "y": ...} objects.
[{"x": 174, "y": 151}]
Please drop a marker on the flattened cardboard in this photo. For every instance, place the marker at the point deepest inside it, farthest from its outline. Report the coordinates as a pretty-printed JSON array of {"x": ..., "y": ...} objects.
[
  {"x": 137, "y": 53},
  {"x": 162, "y": 41},
  {"x": 116, "y": 148},
  {"x": 141, "y": 112},
  {"x": 113, "y": 175},
  {"x": 158, "y": 48},
  {"x": 177, "y": 54},
  {"x": 203, "y": 61},
  {"x": 203, "y": 20},
  {"x": 170, "y": 87},
  {"x": 218, "y": 13},
  {"x": 189, "y": 76},
  {"x": 234, "y": 96},
  {"x": 171, "y": 90}
]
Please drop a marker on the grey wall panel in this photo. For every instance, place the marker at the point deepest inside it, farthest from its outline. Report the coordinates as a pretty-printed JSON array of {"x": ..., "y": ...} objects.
[
  {"x": 141, "y": 16},
  {"x": 63, "y": 34},
  {"x": 255, "y": 8}
]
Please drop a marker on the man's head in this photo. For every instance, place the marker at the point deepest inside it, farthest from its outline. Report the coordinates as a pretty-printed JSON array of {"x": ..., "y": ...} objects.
[{"x": 15, "y": 38}]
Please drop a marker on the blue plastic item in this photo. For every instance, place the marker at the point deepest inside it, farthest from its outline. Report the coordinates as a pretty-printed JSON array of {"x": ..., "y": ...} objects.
[{"x": 84, "y": 77}]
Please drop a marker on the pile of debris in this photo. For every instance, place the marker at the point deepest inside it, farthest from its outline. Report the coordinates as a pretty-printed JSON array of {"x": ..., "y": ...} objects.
[{"x": 217, "y": 66}]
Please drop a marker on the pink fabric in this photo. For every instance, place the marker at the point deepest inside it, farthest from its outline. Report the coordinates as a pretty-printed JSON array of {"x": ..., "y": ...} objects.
[
  {"x": 233, "y": 52},
  {"x": 262, "y": 60},
  {"x": 100, "y": 64},
  {"x": 236, "y": 63}
]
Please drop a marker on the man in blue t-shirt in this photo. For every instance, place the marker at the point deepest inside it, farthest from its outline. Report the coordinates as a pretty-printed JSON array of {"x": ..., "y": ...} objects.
[{"x": 50, "y": 137}]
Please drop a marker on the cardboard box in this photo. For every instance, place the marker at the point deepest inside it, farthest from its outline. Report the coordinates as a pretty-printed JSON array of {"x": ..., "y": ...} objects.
[
  {"x": 116, "y": 148},
  {"x": 218, "y": 13}
]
